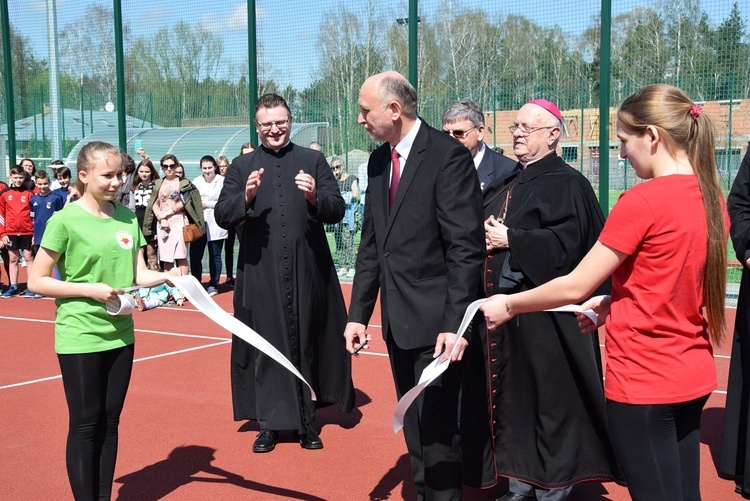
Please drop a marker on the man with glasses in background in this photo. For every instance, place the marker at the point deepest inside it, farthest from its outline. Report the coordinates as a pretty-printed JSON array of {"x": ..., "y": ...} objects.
[
  {"x": 547, "y": 399},
  {"x": 464, "y": 120},
  {"x": 286, "y": 286}
]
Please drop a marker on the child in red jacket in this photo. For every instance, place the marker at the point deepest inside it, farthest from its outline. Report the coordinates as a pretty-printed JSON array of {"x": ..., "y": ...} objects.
[{"x": 16, "y": 227}]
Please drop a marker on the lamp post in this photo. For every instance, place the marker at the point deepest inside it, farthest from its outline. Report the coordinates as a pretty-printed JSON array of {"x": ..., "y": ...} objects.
[
  {"x": 8, "y": 69},
  {"x": 413, "y": 20},
  {"x": 54, "y": 81}
]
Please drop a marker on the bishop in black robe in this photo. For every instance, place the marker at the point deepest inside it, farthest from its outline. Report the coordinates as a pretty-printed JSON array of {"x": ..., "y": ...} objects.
[{"x": 547, "y": 398}]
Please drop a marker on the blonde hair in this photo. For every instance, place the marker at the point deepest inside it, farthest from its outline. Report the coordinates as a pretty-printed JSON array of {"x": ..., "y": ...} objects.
[
  {"x": 87, "y": 157},
  {"x": 686, "y": 127}
]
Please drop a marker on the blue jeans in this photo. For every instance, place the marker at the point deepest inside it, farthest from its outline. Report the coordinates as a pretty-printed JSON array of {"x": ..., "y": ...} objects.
[{"x": 197, "y": 249}]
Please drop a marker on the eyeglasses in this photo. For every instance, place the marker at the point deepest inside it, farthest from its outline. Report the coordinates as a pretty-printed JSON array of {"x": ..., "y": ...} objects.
[
  {"x": 458, "y": 133},
  {"x": 168, "y": 166},
  {"x": 266, "y": 126},
  {"x": 337, "y": 167},
  {"x": 525, "y": 132}
]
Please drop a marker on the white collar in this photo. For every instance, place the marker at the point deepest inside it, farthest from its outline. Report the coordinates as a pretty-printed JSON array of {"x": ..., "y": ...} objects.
[
  {"x": 478, "y": 158},
  {"x": 404, "y": 146}
]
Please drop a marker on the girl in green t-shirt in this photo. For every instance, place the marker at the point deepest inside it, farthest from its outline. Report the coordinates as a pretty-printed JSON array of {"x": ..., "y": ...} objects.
[{"x": 98, "y": 249}]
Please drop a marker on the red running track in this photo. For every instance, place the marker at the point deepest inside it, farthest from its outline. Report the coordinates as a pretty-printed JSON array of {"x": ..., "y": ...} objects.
[{"x": 178, "y": 440}]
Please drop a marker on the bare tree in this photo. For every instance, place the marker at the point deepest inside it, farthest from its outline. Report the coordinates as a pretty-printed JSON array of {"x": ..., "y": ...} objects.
[
  {"x": 642, "y": 57},
  {"x": 190, "y": 55},
  {"x": 470, "y": 47},
  {"x": 87, "y": 49},
  {"x": 26, "y": 70},
  {"x": 350, "y": 50}
]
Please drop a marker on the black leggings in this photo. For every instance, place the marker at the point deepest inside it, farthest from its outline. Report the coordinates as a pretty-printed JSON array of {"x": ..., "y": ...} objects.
[
  {"x": 95, "y": 387},
  {"x": 657, "y": 447}
]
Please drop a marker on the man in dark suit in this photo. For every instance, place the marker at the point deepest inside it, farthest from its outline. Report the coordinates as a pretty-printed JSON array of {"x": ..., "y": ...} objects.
[
  {"x": 464, "y": 120},
  {"x": 422, "y": 247}
]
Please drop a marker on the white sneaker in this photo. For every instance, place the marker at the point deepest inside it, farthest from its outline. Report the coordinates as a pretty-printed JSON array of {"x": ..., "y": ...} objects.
[
  {"x": 212, "y": 291},
  {"x": 350, "y": 273},
  {"x": 23, "y": 263}
]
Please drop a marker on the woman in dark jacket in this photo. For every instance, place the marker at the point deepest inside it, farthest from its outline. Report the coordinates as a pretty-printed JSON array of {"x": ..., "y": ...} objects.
[{"x": 174, "y": 203}]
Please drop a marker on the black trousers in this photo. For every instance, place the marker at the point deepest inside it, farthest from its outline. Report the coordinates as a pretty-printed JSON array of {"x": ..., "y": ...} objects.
[
  {"x": 657, "y": 447},
  {"x": 229, "y": 254},
  {"x": 95, "y": 388},
  {"x": 430, "y": 424}
]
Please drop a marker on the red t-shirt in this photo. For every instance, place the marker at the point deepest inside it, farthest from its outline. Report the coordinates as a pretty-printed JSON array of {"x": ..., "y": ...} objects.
[{"x": 657, "y": 345}]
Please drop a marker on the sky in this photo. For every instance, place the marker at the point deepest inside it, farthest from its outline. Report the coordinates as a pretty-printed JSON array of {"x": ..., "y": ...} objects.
[{"x": 289, "y": 29}]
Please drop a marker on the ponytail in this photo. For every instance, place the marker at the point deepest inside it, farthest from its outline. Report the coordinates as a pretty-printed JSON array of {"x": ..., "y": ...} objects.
[
  {"x": 703, "y": 160},
  {"x": 689, "y": 129}
]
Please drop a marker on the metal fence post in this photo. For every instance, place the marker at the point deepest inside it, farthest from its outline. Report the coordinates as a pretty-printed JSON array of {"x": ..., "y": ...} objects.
[
  {"x": 604, "y": 97},
  {"x": 8, "y": 69},
  {"x": 252, "y": 57},
  {"x": 120, "y": 69}
]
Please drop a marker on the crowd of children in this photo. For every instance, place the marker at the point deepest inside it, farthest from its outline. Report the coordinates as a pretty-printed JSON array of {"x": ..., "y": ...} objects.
[
  {"x": 33, "y": 196},
  {"x": 25, "y": 207}
]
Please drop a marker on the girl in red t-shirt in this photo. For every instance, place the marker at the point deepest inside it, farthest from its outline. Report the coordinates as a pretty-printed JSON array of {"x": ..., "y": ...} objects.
[{"x": 664, "y": 244}]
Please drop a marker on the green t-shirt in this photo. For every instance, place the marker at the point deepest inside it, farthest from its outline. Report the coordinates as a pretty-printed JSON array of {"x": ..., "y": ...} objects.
[{"x": 92, "y": 250}]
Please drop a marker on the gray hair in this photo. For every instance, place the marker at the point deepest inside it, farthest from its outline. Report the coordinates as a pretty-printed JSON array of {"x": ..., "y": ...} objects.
[
  {"x": 399, "y": 89},
  {"x": 468, "y": 110},
  {"x": 337, "y": 160}
]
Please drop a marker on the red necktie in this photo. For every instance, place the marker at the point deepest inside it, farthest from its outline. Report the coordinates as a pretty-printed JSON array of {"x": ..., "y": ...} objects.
[{"x": 395, "y": 177}]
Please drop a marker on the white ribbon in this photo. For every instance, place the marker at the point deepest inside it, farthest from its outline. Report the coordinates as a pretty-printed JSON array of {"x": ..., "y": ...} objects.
[
  {"x": 575, "y": 308},
  {"x": 124, "y": 304},
  {"x": 197, "y": 295},
  {"x": 434, "y": 370},
  {"x": 437, "y": 367}
]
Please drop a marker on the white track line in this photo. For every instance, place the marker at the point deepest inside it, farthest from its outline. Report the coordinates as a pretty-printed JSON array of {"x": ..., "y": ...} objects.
[
  {"x": 30, "y": 382},
  {"x": 28, "y": 320},
  {"x": 163, "y": 333},
  {"x": 372, "y": 354},
  {"x": 225, "y": 341},
  {"x": 196, "y": 336},
  {"x": 51, "y": 378}
]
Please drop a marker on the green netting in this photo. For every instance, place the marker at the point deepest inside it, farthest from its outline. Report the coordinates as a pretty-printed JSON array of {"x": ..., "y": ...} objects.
[{"x": 187, "y": 73}]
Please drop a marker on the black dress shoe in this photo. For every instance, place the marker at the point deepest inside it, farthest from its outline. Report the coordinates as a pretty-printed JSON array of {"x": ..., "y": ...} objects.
[
  {"x": 310, "y": 439},
  {"x": 266, "y": 441},
  {"x": 513, "y": 496}
]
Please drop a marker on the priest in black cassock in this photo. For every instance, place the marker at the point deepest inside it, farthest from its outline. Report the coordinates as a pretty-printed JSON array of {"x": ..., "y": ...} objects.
[
  {"x": 549, "y": 423},
  {"x": 735, "y": 452},
  {"x": 286, "y": 287}
]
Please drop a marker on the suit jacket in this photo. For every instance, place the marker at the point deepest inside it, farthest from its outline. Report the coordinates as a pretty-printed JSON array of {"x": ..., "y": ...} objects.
[
  {"x": 425, "y": 255},
  {"x": 494, "y": 166}
]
